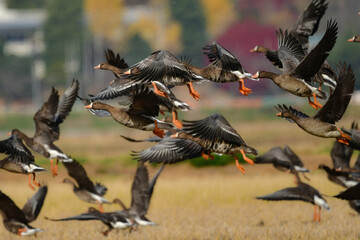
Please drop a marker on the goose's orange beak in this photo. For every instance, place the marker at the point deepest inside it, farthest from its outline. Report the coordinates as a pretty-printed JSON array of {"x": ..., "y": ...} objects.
[
  {"x": 88, "y": 106},
  {"x": 253, "y": 50},
  {"x": 9, "y": 133},
  {"x": 278, "y": 114},
  {"x": 128, "y": 72},
  {"x": 97, "y": 67},
  {"x": 350, "y": 40},
  {"x": 256, "y": 75}
]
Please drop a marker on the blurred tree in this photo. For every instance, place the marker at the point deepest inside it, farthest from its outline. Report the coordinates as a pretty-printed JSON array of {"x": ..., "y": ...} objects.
[
  {"x": 105, "y": 19},
  {"x": 21, "y": 4},
  {"x": 137, "y": 49},
  {"x": 190, "y": 15},
  {"x": 63, "y": 27},
  {"x": 219, "y": 14}
]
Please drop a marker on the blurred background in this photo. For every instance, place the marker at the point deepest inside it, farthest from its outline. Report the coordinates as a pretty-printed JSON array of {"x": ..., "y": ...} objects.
[{"x": 46, "y": 43}]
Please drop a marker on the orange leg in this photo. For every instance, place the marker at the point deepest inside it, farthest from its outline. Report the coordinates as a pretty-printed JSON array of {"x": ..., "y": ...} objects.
[
  {"x": 316, "y": 102},
  {"x": 54, "y": 169},
  {"x": 34, "y": 182},
  {"x": 29, "y": 183},
  {"x": 100, "y": 206},
  {"x": 238, "y": 165},
  {"x": 157, "y": 91},
  {"x": 315, "y": 213},
  {"x": 319, "y": 218},
  {"x": 207, "y": 155},
  {"x": 158, "y": 132},
  {"x": 344, "y": 137},
  {"x": 246, "y": 158},
  {"x": 192, "y": 91},
  {"x": 176, "y": 121},
  {"x": 242, "y": 89},
  {"x": 20, "y": 230}
]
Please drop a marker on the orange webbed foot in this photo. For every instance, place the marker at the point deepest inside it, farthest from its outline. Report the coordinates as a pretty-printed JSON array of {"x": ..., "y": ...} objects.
[
  {"x": 178, "y": 123},
  {"x": 192, "y": 91},
  {"x": 159, "y": 133},
  {"x": 206, "y": 155},
  {"x": 239, "y": 166},
  {"x": 242, "y": 89}
]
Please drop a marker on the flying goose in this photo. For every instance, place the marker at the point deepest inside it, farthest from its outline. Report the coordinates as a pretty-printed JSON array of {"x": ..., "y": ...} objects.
[
  {"x": 47, "y": 120},
  {"x": 86, "y": 189},
  {"x": 16, "y": 220},
  {"x": 298, "y": 69},
  {"x": 19, "y": 159},
  {"x": 322, "y": 123},
  {"x": 141, "y": 192},
  {"x": 215, "y": 134}
]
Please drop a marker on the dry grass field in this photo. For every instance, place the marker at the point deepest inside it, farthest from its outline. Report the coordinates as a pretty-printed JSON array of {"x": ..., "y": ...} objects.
[{"x": 189, "y": 202}]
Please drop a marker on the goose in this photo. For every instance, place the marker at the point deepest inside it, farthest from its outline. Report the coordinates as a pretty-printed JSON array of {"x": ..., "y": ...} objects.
[
  {"x": 165, "y": 68},
  {"x": 322, "y": 123},
  {"x": 282, "y": 159},
  {"x": 223, "y": 67},
  {"x": 299, "y": 69},
  {"x": 47, "y": 120},
  {"x": 16, "y": 220},
  {"x": 141, "y": 114},
  {"x": 355, "y": 38},
  {"x": 117, "y": 219},
  {"x": 305, "y": 26},
  {"x": 302, "y": 192},
  {"x": 86, "y": 189},
  {"x": 19, "y": 159},
  {"x": 116, "y": 64},
  {"x": 215, "y": 134},
  {"x": 141, "y": 192}
]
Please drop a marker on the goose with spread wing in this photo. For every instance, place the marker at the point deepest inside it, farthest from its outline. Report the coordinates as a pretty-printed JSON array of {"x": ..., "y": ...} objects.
[
  {"x": 215, "y": 134},
  {"x": 19, "y": 159},
  {"x": 141, "y": 192},
  {"x": 141, "y": 114},
  {"x": 223, "y": 67},
  {"x": 298, "y": 69},
  {"x": 322, "y": 123},
  {"x": 86, "y": 189},
  {"x": 116, "y": 64},
  {"x": 165, "y": 68},
  {"x": 47, "y": 120},
  {"x": 117, "y": 219},
  {"x": 282, "y": 159},
  {"x": 305, "y": 26},
  {"x": 302, "y": 192},
  {"x": 16, "y": 220}
]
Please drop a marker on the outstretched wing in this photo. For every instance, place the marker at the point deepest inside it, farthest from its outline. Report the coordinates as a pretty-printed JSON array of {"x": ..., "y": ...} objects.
[
  {"x": 222, "y": 58},
  {"x": 33, "y": 206},
  {"x": 338, "y": 102},
  {"x": 308, "y": 22},
  {"x": 170, "y": 150},
  {"x": 9, "y": 210},
  {"x": 140, "y": 196},
  {"x": 77, "y": 171},
  {"x": 214, "y": 128},
  {"x": 67, "y": 101},
  {"x": 45, "y": 127},
  {"x": 16, "y": 150}
]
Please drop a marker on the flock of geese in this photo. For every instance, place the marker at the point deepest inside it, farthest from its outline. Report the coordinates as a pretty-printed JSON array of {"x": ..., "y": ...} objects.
[{"x": 304, "y": 72}]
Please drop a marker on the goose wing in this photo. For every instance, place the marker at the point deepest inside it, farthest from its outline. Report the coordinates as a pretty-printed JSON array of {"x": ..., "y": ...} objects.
[
  {"x": 67, "y": 101},
  {"x": 17, "y": 151},
  {"x": 337, "y": 103},
  {"x": 77, "y": 172},
  {"x": 170, "y": 150},
  {"x": 140, "y": 197},
  {"x": 214, "y": 128},
  {"x": 33, "y": 206}
]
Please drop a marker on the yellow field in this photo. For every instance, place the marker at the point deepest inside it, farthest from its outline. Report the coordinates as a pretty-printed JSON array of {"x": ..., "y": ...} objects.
[
  {"x": 193, "y": 203},
  {"x": 211, "y": 203}
]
